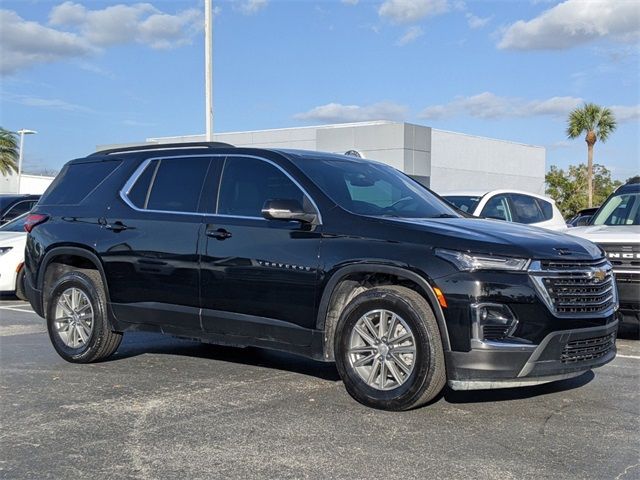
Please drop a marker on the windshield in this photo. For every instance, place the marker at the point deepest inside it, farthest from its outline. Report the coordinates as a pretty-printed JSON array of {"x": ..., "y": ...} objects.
[
  {"x": 15, "y": 225},
  {"x": 466, "y": 203},
  {"x": 368, "y": 188},
  {"x": 623, "y": 209}
]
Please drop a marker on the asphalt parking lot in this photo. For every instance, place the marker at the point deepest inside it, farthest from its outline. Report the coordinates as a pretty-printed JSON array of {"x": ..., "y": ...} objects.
[{"x": 166, "y": 408}]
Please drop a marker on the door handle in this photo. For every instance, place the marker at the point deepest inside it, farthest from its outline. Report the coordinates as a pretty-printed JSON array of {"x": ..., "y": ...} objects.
[
  {"x": 219, "y": 234},
  {"x": 116, "y": 226}
]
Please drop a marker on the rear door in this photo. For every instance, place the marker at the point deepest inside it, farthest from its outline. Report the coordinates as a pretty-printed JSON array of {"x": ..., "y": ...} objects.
[
  {"x": 149, "y": 244},
  {"x": 259, "y": 277}
]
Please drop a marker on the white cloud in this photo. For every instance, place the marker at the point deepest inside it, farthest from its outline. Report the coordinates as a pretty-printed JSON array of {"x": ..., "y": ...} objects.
[
  {"x": 477, "y": 22},
  {"x": 350, "y": 2},
  {"x": 575, "y": 22},
  {"x": 26, "y": 43},
  {"x": 410, "y": 35},
  {"x": 411, "y": 11},
  {"x": 491, "y": 106},
  {"x": 120, "y": 24},
  {"x": 76, "y": 31},
  {"x": 338, "y": 113},
  {"x": 251, "y": 7},
  {"x": 626, "y": 113}
]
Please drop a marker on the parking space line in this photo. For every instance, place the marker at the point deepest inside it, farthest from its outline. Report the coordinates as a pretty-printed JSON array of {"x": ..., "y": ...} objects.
[
  {"x": 16, "y": 309},
  {"x": 628, "y": 356}
]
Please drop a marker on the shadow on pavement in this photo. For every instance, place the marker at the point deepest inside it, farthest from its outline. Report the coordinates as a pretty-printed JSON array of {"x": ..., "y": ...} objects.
[{"x": 138, "y": 343}]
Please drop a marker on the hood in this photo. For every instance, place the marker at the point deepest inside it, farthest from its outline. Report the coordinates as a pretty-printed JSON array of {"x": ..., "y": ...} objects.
[
  {"x": 8, "y": 239},
  {"x": 629, "y": 234},
  {"x": 498, "y": 237}
]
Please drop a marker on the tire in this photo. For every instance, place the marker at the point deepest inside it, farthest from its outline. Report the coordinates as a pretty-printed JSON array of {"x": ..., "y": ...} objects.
[
  {"x": 399, "y": 389},
  {"x": 99, "y": 342},
  {"x": 20, "y": 285}
]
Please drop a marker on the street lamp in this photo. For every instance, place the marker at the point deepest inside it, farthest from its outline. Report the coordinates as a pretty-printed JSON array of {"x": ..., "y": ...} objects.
[
  {"x": 208, "y": 68},
  {"x": 22, "y": 133}
]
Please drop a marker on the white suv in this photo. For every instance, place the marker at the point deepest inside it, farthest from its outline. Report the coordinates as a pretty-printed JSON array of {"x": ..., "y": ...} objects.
[{"x": 509, "y": 205}]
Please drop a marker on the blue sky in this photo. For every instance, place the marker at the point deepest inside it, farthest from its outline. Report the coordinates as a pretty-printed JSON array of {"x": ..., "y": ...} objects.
[{"x": 84, "y": 73}]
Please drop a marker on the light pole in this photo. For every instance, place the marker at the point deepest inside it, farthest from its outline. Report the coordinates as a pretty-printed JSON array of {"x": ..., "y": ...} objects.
[
  {"x": 22, "y": 133},
  {"x": 208, "y": 67}
]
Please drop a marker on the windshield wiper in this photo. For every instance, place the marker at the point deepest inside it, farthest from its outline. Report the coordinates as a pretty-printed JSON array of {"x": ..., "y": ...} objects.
[{"x": 445, "y": 215}]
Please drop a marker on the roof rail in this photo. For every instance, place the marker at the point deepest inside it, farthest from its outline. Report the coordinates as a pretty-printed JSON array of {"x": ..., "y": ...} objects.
[{"x": 163, "y": 146}]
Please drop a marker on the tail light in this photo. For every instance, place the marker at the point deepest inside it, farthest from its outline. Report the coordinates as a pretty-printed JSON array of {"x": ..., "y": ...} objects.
[{"x": 34, "y": 219}]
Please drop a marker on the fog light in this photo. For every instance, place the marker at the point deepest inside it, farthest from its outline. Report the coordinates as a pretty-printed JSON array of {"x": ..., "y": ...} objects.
[{"x": 492, "y": 321}]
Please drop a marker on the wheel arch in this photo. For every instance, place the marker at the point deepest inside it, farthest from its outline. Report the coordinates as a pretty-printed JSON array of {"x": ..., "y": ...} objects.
[{"x": 344, "y": 284}]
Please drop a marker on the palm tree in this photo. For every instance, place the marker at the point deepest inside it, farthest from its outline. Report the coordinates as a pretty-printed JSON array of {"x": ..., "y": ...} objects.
[
  {"x": 597, "y": 123},
  {"x": 8, "y": 152}
]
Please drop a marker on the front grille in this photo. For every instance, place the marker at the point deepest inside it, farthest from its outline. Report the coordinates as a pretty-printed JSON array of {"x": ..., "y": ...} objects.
[
  {"x": 575, "y": 288},
  {"x": 587, "y": 349},
  {"x": 623, "y": 256}
]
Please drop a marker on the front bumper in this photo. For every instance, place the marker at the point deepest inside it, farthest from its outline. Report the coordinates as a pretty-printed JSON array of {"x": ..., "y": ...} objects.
[{"x": 560, "y": 355}]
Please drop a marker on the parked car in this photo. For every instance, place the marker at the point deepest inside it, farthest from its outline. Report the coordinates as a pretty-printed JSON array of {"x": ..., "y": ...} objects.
[
  {"x": 12, "y": 242},
  {"x": 328, "y": 256},
  {"x": 511, "y": 206},
  {"x": 616, "y": 228},
  {"x": 582, "y": 217},
  {"x": 14, "y": 205}
]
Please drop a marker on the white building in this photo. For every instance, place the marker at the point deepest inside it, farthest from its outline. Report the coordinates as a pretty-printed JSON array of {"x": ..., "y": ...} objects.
[
  {"x": 32, "y": 184},
  {"x": 439, "y": 159}
]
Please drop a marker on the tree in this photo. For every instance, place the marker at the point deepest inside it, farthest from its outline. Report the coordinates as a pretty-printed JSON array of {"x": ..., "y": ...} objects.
[
  {"x": 8, "y": 152},
  {"x": 568, "y": 188},
  {"x": 597, "y": 123}
]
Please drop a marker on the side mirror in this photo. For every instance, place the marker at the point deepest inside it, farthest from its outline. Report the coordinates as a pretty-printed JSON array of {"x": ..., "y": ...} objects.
[{"x": 288, "y": 210}]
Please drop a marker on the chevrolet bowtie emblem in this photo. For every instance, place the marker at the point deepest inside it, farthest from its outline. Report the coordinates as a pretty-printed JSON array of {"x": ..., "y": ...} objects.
[{"x": 599, "y": 275}]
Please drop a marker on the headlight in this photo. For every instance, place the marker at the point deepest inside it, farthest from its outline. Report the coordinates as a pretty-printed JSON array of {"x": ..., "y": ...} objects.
[
  {"x": 469, "y": 262},
  {"x": 4, "y": 250}
]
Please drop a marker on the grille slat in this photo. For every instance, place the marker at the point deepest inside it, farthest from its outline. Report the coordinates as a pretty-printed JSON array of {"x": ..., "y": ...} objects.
[
  {"x": 576, "y": 287},
  {"x": 587, "y": 349}
]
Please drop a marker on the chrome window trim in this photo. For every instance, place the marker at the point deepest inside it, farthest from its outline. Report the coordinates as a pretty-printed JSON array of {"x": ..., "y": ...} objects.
[{"x": 124, "y": 191}]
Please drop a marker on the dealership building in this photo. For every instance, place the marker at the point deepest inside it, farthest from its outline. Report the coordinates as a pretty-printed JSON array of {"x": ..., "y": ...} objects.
[{"x": 439, "y": 159}]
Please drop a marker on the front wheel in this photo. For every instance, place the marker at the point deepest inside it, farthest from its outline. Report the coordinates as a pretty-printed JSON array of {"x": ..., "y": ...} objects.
[
  {"x": 388, "y": 349},
  {"x": 77, "y": 318}
]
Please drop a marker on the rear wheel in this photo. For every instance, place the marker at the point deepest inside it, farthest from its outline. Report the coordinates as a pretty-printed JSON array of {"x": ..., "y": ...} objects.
[
  {"x": 76, "y": 318},
  {"x": 388, "y": 349}
]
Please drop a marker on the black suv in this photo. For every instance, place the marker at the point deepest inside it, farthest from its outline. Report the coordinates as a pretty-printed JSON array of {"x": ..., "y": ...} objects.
[{"x": 331, "y": 257}]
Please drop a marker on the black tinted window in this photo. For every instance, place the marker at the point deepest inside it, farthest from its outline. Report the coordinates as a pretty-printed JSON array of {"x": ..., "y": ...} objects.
[
  {"x": 18, "y": 209},
  {"x": 498, "y": 208},
  {"x": 546, "y": 207},
  {"x": 526, "y": 209},
  {"x": 177, "y": 184},
  {"x": 76, "y": 181},
  {"x": 248, "y": 182},
  {"x": 138, "y": 193}
]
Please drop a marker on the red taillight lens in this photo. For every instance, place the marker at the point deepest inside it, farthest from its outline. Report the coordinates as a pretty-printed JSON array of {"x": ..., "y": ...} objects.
[{"x": 34, "y": 219}]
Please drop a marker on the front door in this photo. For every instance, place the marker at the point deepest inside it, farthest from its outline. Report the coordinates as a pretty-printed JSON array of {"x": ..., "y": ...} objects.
[{"x": 259, "y": 277}]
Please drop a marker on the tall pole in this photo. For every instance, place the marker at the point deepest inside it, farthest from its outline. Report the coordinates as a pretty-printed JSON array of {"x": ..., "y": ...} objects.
[
  {"x": 22, "y": 133},
  {"x": 208, "y": 70}
]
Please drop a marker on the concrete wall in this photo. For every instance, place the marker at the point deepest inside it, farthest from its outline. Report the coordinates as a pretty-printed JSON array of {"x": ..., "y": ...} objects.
[
  {"x": 33, "y": 184},
  {"x": 466, "y": 162}
]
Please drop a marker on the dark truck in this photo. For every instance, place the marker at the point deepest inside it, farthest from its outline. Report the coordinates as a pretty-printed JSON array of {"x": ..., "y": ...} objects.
[{"x": 327, "y": 256}]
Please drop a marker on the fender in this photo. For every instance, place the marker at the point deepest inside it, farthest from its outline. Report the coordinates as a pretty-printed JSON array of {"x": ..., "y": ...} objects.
[
  {"x": 79, "y": 252},
  {"x": 342, "y": 273}
]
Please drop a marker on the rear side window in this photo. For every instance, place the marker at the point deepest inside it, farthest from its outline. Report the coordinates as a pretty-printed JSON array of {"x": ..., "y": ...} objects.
[
  {"x": 546, "y": 207},
  {"x": 76, "y": 181},
  {"x": 170, "y": 184},
  {"x": 526, "y": 209}
]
